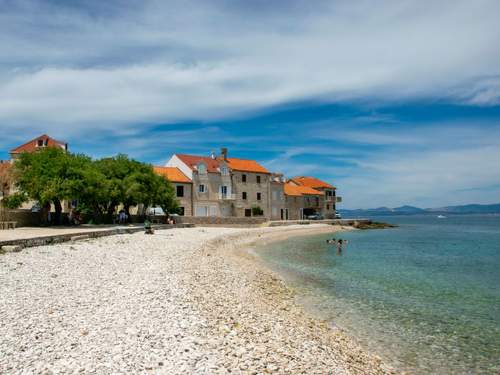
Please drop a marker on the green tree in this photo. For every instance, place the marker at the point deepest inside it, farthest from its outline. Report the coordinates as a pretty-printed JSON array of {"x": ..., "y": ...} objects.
[
  {"x": 41, "y": 176},
  {"x": 163, "y": 195},
  {"x": 51, "y": 175}
]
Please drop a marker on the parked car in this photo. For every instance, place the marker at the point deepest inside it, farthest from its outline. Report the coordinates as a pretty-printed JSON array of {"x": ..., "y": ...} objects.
[
  {"x": 315, "y": 217},
  {"x": 338, "y": 216}
]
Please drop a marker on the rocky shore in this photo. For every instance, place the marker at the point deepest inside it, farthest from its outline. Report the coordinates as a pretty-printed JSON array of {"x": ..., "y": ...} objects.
[{"x": 182, "y": 301}]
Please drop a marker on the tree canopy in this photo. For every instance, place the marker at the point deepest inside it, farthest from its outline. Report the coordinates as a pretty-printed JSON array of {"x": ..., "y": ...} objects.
[{"x": 99, "y": 186}]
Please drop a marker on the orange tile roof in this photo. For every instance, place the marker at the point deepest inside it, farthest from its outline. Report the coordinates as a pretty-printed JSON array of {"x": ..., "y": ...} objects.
[
  {"x": 172, "y": 174},
  {"x": 192, "y": 160},
  {"x": 244, "y": 165},
  {"x": 297, "y": 190},
  {"x": 213, "y": 165},
  {"x": 33, "y": 144},
  {"x": 312, "y": 182}
]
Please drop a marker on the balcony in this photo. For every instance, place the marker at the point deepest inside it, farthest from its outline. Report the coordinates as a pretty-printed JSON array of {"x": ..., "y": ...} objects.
[{"x": 223, "y": 196}]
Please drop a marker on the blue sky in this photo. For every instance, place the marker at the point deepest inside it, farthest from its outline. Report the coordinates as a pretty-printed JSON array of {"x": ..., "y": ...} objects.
[{"x": 395, "y": 104}]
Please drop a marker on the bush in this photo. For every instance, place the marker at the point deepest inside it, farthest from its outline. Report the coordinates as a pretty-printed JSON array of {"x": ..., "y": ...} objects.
[{"x": 257, "y": 211}]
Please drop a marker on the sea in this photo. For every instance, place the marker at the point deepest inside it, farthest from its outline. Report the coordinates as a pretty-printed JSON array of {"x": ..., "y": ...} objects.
[{"x": 424, "y": 296}]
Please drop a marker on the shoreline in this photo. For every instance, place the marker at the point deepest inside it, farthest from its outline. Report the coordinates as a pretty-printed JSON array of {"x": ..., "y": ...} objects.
[
  {"x": 191, "y": 301},
  {"x": 272, "y": 289}
]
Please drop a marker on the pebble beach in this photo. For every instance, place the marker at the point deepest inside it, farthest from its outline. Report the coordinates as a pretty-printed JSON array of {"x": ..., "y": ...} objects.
[{"x": 181, "y": 301}]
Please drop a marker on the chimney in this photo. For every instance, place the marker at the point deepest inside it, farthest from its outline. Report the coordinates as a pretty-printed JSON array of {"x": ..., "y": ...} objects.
[
  {"x": 223, "y": 153},
  {"x": 212, "y": 155}
]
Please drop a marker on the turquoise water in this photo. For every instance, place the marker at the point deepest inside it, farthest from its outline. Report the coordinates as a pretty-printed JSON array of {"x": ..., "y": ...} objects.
[{"x": 425, "y": 296}]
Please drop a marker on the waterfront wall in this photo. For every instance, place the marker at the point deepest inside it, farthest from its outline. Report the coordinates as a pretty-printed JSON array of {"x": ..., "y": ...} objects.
[{"x": 221, "y": 221}]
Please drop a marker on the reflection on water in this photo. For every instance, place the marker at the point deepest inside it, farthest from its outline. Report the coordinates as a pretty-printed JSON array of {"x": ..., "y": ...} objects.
[{"x": 426, "y": 295}]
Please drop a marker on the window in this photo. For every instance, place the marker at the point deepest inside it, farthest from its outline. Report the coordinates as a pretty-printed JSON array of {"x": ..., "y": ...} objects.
[
  {"x": 202, "y": 188},
  {"x": 40, "y": 143},
  {"x": 327, "y": 206},
  {"x": 180, "y": 190},
  {"x": 181, "y": 211},
  {"x": 248, "y": 212},
  {"x": 259, "y": 196},
  {"x": 202, "y": 168},
  {"x": 223, "y": 192},
  {"x": 201, "y": 211},
  {"x": 244, "y": 195},
  {"x": 213, "y": 210},
  {"x": 275, "y": 195},
  {"x": 243, "y": 178},
  {"x": 224, "y": 171},
  {"x": 258, "y": 179}
]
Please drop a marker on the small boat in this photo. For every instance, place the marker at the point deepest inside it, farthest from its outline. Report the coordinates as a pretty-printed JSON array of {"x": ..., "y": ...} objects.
[{"x": 441, "y": 217}]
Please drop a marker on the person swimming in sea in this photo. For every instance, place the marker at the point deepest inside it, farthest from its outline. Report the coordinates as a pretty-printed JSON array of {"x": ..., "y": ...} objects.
[{"x": 333, "y": 241}]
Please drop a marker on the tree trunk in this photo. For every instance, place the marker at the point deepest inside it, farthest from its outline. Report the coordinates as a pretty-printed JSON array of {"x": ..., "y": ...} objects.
[{"x": 58, "y": 208}]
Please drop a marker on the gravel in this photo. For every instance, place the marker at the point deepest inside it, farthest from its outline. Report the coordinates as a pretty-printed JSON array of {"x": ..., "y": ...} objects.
[{"x": 181, "y": 301}]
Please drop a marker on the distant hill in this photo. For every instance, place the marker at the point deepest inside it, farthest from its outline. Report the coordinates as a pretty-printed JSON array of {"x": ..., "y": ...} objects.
[{"x": 410, "y": 210}]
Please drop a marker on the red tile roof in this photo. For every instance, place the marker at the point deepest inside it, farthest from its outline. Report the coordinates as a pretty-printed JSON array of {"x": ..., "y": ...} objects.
[
  {"x": 244, "y": 165},
  {"x": 297, "y": 190},
  {"x": 312, "y": 182},
  {"x": 33, "y": 144},
  {"x": 192, "y": 160},
  {"x": 172, "y": 174},
  {"x": 213, "y": 165}
]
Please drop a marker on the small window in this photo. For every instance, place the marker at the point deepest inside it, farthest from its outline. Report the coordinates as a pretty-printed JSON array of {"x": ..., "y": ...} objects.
[
  {"x": 224, "y": 171},
  {"x": 259, "y": 196},
  {"x": 201, "y": 188},
  {"x": 243, "y": 178},
  {"x": 181, "y": 211},
  {"x": 202, "y": 168},
  {"x": 258, "y": 179},
  {"x": 180, "y": 190},
  {"x": 244, "y": 195},
  {"x": 40, "y": 143}
]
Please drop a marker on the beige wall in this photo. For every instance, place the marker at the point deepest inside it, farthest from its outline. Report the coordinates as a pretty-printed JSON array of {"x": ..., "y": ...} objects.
[
  {"x": 186, "y": 200},
  {"x": 210, "y": 203},
  {"x": 251, "y": 187},
  {"x": 294, "y": 205},
  {"x": 277, "y": 200}
]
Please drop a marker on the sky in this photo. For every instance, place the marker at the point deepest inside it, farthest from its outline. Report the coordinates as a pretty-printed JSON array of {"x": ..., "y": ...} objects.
[{"x": 394, "y": 102}]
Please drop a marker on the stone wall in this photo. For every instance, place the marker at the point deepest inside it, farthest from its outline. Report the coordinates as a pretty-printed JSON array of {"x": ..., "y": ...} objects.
[
  {"x": 24, "y": 218},
  {"x": 187, "y": 200},
  {"x": 221, "y": 221},
  {"x": 251, "y": 188}
]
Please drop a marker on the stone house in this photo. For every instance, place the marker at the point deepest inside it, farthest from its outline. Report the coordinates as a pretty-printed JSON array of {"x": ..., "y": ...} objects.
[
  {"x": 301, "y": 201},
  {"x": 327, "y": 201},
  {"x": 183, "y": 187},
  {"x": 224, "y": 186}
]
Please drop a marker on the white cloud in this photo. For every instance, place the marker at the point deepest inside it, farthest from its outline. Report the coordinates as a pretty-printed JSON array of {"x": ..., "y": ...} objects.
[{"x": 116, "y": 67}]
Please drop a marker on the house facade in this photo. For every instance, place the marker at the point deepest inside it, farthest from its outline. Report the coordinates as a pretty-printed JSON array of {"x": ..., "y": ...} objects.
[
  {"x": 183, "y": 187},
  {"x": 326, "y": 202},
  {"x": 224, "y": 186},
  {"x": 231, "y": 187}
]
